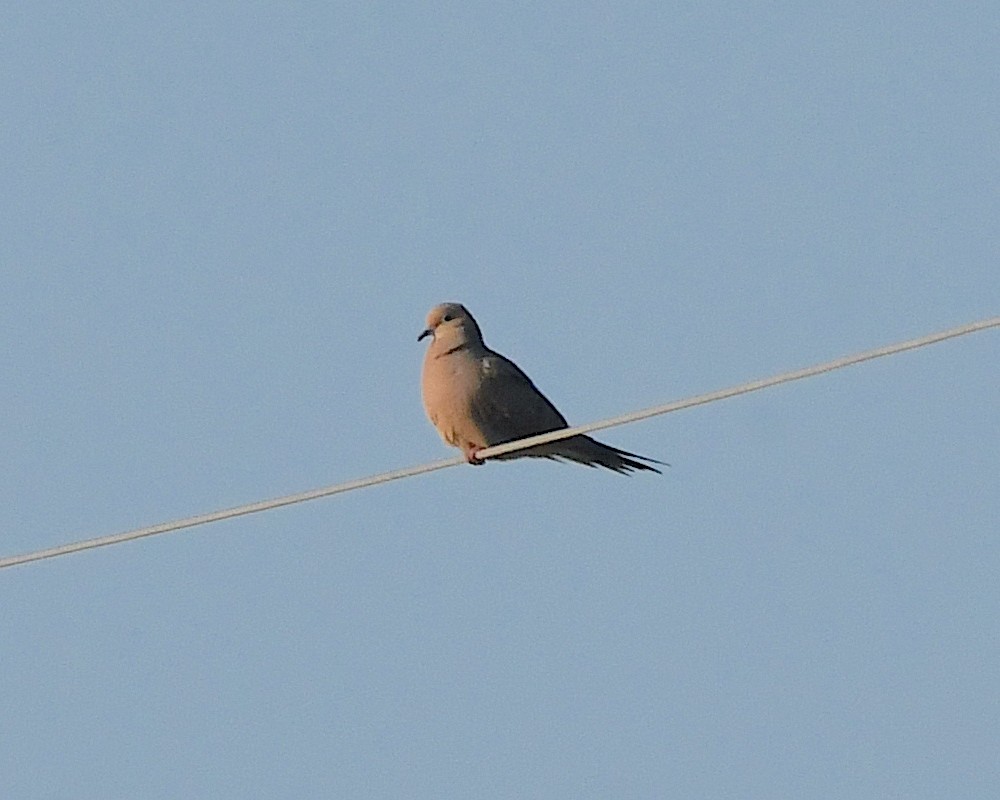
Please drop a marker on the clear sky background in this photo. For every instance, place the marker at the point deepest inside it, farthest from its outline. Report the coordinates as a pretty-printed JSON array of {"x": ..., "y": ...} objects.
[{"x": 222, "y": 227}]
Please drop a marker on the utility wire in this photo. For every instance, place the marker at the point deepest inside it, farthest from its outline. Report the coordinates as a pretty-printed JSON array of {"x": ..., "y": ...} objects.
[
  {"x": 497, "y": 450},
  {"x": 745, "y": 388}
]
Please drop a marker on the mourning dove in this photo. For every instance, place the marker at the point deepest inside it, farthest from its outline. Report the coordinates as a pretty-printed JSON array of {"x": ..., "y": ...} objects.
[{"x": 477, "y": 398}]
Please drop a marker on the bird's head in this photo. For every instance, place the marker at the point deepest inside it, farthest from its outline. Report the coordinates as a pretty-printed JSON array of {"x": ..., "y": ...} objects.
[{"x": 451, "y": 325}]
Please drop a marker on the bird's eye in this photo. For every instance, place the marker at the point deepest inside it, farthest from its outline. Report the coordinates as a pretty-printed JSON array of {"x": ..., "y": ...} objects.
[{"x": 447, "y": 318}]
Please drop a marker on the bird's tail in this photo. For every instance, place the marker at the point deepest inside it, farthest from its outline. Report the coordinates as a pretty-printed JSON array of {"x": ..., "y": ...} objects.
[{"x": 592, "y": 453}]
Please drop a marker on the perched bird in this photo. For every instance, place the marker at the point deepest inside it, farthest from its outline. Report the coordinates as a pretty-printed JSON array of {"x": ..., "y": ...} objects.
[{"x": 477, "y": 398}]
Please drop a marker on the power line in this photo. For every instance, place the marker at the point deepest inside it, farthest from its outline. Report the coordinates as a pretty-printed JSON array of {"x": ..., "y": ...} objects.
[
  {"x": 745, "y": 388},
  {"x": 497, "y": 450}
]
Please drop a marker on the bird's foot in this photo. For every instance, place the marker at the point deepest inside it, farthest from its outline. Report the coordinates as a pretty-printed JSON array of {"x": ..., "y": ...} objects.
[{"x": 470, "y": 455}]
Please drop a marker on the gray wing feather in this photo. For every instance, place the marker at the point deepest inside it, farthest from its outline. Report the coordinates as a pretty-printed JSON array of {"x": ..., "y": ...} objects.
[{"x": 508, "y": 405}]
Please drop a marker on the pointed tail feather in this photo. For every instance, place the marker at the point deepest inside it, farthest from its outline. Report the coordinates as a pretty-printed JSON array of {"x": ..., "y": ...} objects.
[{"x": 592, "y": 453}]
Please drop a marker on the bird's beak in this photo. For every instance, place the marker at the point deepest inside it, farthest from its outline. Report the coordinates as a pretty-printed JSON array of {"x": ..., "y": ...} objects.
[{"x": 427, "y": 332}]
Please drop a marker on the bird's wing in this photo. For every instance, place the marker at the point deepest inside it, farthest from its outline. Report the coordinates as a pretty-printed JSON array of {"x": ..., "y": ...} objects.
[{"x": 507, "y": 405}]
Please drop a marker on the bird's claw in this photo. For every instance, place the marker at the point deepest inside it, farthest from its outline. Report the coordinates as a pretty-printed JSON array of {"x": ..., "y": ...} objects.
[{"x": 470, "y": 456}]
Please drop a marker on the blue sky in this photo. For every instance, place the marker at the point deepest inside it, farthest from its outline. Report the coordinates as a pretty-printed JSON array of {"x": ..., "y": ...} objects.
[{"x": 223, "y": 226}]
